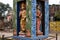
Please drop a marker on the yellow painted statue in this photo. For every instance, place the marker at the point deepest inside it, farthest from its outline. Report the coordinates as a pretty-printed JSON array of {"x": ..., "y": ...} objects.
[{"x": 22, "y": 15}]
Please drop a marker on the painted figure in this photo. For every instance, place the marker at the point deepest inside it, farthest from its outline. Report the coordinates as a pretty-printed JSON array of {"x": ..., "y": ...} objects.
[
  {"x": 38, "y": 20},
  {"x": 22, "y": 15}
]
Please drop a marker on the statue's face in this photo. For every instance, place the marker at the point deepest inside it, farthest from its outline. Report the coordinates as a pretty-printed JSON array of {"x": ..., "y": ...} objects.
[
  {"x": 38, "y": 12},
  {"x": 23, "y": 5}
]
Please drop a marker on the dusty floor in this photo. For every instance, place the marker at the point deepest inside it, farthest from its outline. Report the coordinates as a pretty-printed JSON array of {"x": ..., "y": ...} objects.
[{"x": 52, "y": 36}]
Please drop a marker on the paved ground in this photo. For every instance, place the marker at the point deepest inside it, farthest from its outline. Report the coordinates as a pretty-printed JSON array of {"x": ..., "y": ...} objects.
[
  {"x": 52, "y": 36},
  {"x": 6, "y": 34}
]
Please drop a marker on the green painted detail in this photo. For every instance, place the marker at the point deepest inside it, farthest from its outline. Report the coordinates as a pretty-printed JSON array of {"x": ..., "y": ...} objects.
[
  {"x": 28, "y": 14},
  {"x": 14, "y": 15}
]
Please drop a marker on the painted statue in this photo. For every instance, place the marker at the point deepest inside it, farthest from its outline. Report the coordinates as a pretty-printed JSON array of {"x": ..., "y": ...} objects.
[
  {"x": 22, "y": 15},
  {"x": 38, "y": 20}
]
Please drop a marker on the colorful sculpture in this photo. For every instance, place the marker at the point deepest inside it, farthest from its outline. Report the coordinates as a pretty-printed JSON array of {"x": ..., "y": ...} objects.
[
  {"x": 38, "y": 20},
  {"x": 31, "y": 19},
  {"x": 22, "y": 15}
]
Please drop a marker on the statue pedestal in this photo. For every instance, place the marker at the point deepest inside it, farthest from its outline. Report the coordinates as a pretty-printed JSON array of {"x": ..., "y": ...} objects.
[{"x": 22, "y": 34}]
